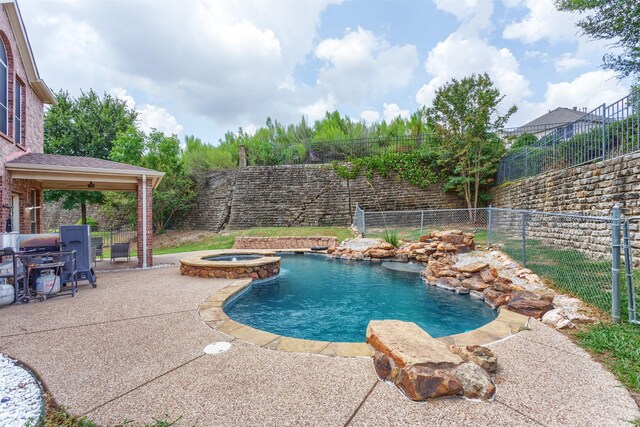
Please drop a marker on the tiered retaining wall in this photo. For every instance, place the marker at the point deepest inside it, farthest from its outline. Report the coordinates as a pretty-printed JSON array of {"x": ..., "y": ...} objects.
[{"x": 305, "y": 195}]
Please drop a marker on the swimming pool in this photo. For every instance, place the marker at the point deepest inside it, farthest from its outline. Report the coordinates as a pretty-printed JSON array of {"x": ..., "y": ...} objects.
[{"x": 332, "y": 300}]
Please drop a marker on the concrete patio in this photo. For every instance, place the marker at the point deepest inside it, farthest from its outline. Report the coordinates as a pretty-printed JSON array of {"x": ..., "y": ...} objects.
[{"x": 132, "y": 349}]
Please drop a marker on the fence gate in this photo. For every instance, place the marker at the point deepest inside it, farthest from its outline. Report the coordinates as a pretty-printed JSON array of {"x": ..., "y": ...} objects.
[{"x": 631, "y": 242}]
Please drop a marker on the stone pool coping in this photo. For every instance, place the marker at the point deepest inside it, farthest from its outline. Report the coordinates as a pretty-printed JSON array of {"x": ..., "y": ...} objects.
[
  {"x": 199, "y": 261},
  {"x": 211, "y": 312}
]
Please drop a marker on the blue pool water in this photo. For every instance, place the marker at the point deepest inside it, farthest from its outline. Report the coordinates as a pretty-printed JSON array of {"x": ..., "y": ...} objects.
[{"x": 331, "y": 300}]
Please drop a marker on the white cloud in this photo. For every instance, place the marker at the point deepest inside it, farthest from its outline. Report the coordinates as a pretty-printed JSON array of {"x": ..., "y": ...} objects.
[
  {"x": 458, "y": 57},
  {"x": 536, "y": 54},
  {"x": 569, "y": 61},
  {"x": 362, "y": 64},
  {"x": 370, "y": 116},
  {"x": 317, "y": 110},
  {"x": 121, "y": 94},
  {"x": 150, "y": 116},
  {"x": 473, "y": 14},
  {"x": 391, "y": 111},
  {"x": 542, "y": 22},
  {"x": 231, "y": 62},
  {"x": 587, "y": 90},
  {"x": 154, "y": 117}
]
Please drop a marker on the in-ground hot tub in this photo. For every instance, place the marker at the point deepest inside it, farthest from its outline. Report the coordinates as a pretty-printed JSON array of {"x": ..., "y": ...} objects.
[{"x": 231, "y": 265}]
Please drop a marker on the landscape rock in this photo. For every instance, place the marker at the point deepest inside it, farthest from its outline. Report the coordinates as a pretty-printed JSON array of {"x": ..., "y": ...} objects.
[
  {"x": 380, "y": 253},
  {"x": 476, "y": 295},
  {"x": 448, "y": 283},
  {"x": 421, "y": 366},
  {"x": 424, "y": 382},
  {"x": 475, "y": 381},
  {"x": 488, "y": 275},
  {"x": 481, "y": 356},
  {"x": 462, "y": 290},
  {"x": 408, "y": 344},
  {"x": 473, "y": 267},
  {"x": 535, "y": 308},
  {"x": 474, "y": 284},
  {"x": 490, "y": 296}
]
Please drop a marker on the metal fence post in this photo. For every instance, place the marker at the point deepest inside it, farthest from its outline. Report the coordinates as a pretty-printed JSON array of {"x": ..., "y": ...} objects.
[
  {"x": 363, "y": 223},
  {"x": 604, "y": 132},
  {"x": 523, "y": 220},
  {"x": 615, "y": 264},
  {"x": 489, "y": 219},
  {"x": 421, "y": 221},
  {"x": 628, "y": 269}
]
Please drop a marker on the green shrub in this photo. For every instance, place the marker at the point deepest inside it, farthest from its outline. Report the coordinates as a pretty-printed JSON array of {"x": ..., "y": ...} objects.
[
  {"x": 90, "y": 221},
  {"x": 392, "y": 237}
]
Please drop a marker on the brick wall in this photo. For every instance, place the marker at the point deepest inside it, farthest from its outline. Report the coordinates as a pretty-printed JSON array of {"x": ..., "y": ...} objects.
[
  {"x": 32, "y": 129},
  {"x": 310, "y": 195}
]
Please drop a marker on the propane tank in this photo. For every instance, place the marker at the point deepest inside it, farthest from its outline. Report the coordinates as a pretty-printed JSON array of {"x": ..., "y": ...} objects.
[
  {"x": 7, "y": 294},
  {"x": 48, "y": 283}
]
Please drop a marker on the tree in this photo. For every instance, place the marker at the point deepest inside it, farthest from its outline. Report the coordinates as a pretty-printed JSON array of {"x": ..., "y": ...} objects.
[
  {"x": 616, "y": 20},
  {"x": 199, "y": 158},
  {"x": 466, "y": 119},
  {"x": 85, "y": 126},
  {"x": 176, "y": 192}
]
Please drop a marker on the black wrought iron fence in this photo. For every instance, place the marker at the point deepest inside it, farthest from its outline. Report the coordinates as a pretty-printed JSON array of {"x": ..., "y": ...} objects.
[{"x": 605, "y": 132}]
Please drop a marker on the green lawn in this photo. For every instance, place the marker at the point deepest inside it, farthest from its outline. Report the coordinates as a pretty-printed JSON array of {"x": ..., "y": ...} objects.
[{"x": 225, "y": 240}]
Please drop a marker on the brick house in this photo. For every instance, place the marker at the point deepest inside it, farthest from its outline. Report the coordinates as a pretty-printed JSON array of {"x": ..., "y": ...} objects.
[{"x": 25, "y": 171}]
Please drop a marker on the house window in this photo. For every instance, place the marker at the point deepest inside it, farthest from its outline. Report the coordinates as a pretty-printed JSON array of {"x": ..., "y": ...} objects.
[
  {"x": 4, "y": 89},
  {"x": 34, "y": 211},
  {"x": 19, "y": 114}
]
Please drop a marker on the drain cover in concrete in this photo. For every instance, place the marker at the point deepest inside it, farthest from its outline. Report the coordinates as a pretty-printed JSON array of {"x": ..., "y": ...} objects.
[{"x": 217, "y": 347}]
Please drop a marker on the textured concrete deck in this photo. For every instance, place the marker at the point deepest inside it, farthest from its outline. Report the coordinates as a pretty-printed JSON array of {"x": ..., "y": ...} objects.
[{"x": 132, "y": 349}]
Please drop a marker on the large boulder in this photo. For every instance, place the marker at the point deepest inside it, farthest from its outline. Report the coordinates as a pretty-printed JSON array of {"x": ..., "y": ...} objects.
[
  {"x": 418, "y": 364},
  {"x": 448, "y": 283},
  {"x": 408, "y": 344}
]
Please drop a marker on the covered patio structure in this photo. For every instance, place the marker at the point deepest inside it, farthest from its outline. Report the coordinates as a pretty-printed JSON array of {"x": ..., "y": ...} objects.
[{"x": 57, "y": 172}]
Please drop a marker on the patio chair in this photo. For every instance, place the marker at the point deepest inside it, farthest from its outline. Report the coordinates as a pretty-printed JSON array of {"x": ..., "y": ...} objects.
[
  {"x": 120, "y": 250},
  {"x": 97, "y": 245}
]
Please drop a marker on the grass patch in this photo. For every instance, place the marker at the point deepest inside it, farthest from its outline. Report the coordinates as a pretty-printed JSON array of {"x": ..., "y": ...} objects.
[
  {"x": 58, "y": 417},
  {"x": 618, "y": 346},
  {"x": 225, "y": 240}
]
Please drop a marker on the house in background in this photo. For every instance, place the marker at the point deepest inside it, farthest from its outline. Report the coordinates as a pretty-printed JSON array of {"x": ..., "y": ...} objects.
[
  {"x": 25, "y": 171},
  {"x": 568, "y": 121}
]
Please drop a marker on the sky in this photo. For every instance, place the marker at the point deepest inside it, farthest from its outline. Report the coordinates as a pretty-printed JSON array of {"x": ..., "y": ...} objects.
[{"x": 197, "y": 67}]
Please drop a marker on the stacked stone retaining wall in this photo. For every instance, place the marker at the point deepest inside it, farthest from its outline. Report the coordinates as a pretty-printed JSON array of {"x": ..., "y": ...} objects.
[
  {"x": 301, "y": 195},
  {"x": 590, "y": 189}
]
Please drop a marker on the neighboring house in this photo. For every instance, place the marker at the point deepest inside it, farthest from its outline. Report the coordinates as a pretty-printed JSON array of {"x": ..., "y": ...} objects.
[
  {"x": 568, "y": 121},
  {"x": 25, "y": 171}
]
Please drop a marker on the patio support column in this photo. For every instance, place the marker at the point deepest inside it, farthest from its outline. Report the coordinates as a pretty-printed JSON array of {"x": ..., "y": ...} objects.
[{"x": 145, "y": 215}]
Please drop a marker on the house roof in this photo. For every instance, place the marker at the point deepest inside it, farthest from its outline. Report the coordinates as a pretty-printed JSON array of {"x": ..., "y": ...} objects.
[
  {"x": 558, "y": 117},
  {"x": 77, "y": 173},
  {"x": 24, "y": 48}
]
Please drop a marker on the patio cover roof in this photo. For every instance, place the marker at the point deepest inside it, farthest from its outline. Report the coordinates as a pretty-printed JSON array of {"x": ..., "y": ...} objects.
[{"x": 57, "y": 172}]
